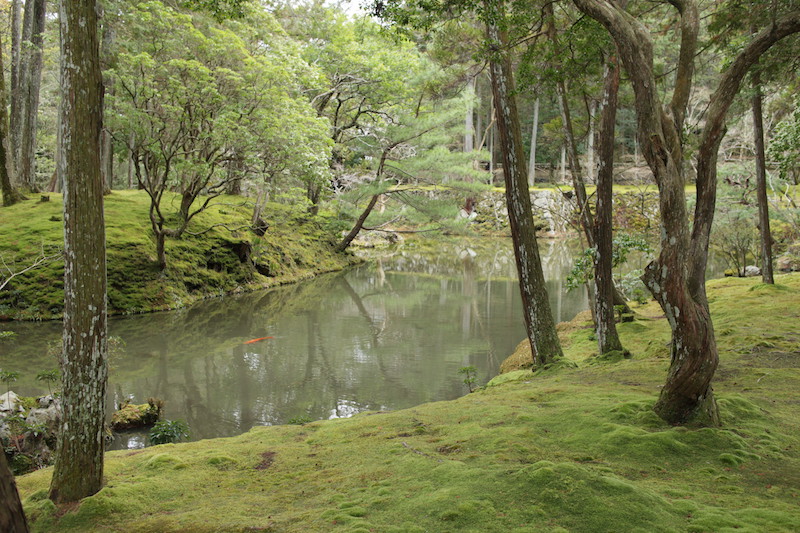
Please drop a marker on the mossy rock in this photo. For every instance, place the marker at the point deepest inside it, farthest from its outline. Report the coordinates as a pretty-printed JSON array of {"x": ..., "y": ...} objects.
[{"x": 132, "y": 416}]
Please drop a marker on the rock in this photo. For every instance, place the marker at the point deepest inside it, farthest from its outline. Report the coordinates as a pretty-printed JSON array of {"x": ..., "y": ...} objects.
[
  {"x": 48, "y": 418},
  {"x": 130, "y": 416},
  {"x": 751, "y": 271},
  {"x": 46, "y": 401},
  {"x": 9, "y": 403},
  {"x": 788, "y": 262}
]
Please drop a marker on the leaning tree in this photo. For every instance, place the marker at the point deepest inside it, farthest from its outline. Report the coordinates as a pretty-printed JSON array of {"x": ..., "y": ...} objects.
[{"x": 677, "y": 277}]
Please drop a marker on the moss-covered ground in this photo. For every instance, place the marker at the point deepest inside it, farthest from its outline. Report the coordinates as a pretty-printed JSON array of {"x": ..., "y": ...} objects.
[
  {"x": 218, "y": 255},
  {"x": 566, "y": 449}
]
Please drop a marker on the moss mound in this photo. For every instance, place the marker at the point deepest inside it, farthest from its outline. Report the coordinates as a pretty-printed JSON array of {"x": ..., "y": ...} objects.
[{"x": 218, "y": 255}]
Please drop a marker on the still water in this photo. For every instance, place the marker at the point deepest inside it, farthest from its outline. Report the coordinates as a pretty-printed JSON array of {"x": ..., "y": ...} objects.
[{"x": 389, "y": 334}]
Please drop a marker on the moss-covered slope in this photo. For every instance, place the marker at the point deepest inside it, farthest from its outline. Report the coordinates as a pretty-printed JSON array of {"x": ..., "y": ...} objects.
[
  {"x": 219, "y": 255},
  {"x": 570, "y": 449}
]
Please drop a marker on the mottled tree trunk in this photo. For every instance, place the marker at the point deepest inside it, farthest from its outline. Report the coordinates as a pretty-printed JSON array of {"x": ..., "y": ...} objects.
[
  {"x": 31, "y": 72},
  {"x": 78, "y": 469},
  {"x": 539, "y": 323},
  {"x": 761, "y": 183},
  {"x": 605, "y": 324}
]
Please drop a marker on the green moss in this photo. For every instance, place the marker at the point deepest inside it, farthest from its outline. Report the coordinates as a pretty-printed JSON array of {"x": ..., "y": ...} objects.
[
  {"x": 201, "y": 264},
  {"x": 568, "y": 449}
]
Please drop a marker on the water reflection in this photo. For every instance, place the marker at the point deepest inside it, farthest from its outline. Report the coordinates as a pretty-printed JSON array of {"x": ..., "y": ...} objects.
[{"x": 387, "y": 335}]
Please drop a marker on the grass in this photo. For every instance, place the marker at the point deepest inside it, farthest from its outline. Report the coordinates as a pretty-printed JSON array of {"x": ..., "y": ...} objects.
[
  {"x": 198, "y": 266},
  {"x": 566, "y": 449}
]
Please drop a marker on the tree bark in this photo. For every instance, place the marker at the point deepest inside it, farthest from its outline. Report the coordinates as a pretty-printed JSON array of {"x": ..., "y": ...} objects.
[
  {"x": 12, "y": 517},
  {"x": 31, "y": 72},
  {"x": 534, "y": 135},
  {"x": 469, "y": 125},
  {"x": 107, "y": 160},
  {"x": 677, "y": 277},
  {"x": 342, "y": 246},
  {"x": 605, "y": 324},
  {"x": 78, "y": 469},
  {"x": 761, "y": 183},
  {"x": 16, "y": 94},
  {"x": 11, "y": 195},
  {"x": 539, "y": 323}
]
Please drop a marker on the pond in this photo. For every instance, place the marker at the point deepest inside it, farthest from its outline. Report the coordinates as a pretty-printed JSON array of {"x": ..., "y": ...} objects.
[{"x": 389, "y": 334}]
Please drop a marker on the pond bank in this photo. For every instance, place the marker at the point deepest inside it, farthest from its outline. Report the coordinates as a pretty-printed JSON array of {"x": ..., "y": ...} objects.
[
  {"x": 220, "y": 255},
  {"x": 563, "y": 450}
]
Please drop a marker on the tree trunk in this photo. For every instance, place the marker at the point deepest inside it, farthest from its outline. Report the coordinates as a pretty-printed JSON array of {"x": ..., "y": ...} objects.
[
  {"x": 78, "y": 469},
  {"x": 677, "y": 277},
  {"x": 342, "y": 246},
  {"x": 12, "y": 517},
  {"x": 131, "y": 161},
  {"x": 590, "y": 177},
  {"x": 761, "y": 183},
  {"x": 605, "y": 325},
  {"x": 107, "y": 161},
  {"x": 469, "y": 126},
  {"x": 31, "y": 71},
  {"x": 545, "y": 345},
  {"x": 16, "y": 94},
  {"x": 161, "y": 252},
  {"x": 10, "y": 194},
  {"x": 687, "y": 396},
  {"x": 571, "y": 144},
  {"x": 313, "y": 193},
  {"x": 534, "y": 134}
]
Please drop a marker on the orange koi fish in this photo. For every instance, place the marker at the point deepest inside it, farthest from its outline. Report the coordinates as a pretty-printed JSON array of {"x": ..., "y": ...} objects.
[{"x": 258, "y": 339}]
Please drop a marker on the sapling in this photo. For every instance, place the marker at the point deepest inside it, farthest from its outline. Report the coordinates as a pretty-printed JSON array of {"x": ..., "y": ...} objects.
[
  {"x": 470, "y": 375},
  {"x": 8, "y": 377},
  {"x": 50, "y": 376}
]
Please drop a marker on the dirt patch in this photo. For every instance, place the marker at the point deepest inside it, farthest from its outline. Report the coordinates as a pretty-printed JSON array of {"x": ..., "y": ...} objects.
[
  {"x": 267, "y": 458},
  {"x": 773, "y": 359}
]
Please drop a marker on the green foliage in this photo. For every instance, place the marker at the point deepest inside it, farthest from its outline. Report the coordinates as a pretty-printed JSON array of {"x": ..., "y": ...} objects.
[
  {"x": 8, "y": 377},
  {"x": 7, "y": 335},
  {"x": 50, "y": 377},
  {"x": 202, "y": 106},
  {"x": 736, "y": 237},
  {"x": 470, "y": 376},
  {"x": 629, "y": 283},
  {"x": 300, "y": 420},
  {"x": 168, "y": 431},
  {"x": 784, "y": 145}
]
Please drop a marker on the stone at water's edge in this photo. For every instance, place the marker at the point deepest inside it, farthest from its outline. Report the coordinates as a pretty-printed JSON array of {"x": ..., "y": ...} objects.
[
  {"x": 29, "y": 437},
  {"x": 9, "y": 404}
]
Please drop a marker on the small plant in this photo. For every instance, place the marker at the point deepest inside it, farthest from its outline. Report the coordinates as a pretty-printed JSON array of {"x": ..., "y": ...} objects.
[
  {"x": 50, "y": 376},
  {"x": 8, "y": 378},
  {"x": 167, "y": 431},
  {"x": 300, "y": 420},
  {"x": 470, "y": 375},
  {"x": 7, "y": 335}
]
